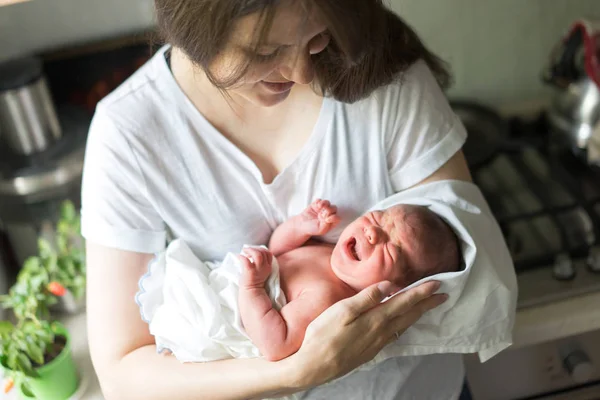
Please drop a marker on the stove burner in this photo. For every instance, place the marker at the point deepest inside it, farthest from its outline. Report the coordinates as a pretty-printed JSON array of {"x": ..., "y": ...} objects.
[
  {"x": 593, "y": 260},
  {"x": 547, "y": 202},
  {"x": 563, "y": 269}
]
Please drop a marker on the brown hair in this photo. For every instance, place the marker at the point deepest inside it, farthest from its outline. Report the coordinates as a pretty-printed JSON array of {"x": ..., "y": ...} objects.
[{"x": 370, "y": 45}]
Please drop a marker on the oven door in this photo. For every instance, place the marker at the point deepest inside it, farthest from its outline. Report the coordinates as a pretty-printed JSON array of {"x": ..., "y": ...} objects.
[
  {"x": 587, "y": 392},
  {"x": 568, "y": 368}
]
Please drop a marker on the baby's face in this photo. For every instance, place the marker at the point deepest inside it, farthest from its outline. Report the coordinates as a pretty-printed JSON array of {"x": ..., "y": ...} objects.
[{"x": 372, "y": 249}]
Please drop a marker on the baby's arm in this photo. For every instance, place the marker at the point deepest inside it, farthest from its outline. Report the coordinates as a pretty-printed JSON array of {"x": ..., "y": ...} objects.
[
  {"x": 316, "y": 219},
  {"x": 276, "y": 334}
]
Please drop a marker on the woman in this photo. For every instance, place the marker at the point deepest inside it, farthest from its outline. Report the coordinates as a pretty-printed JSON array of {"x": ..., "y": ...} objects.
[{"x": 256, "y": 108}]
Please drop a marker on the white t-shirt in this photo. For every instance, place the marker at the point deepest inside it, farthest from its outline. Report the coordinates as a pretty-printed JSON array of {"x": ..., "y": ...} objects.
[{"x": 156, "y": 168}]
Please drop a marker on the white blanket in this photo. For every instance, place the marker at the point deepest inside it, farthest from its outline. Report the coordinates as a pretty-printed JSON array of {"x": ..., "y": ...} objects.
[
  {"x": 191, "y": 305},
  {"x": 480, "y": 312}
]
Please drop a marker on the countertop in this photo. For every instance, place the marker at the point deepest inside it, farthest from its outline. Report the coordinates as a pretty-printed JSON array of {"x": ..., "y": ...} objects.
[{"x": 533, "y": 325}]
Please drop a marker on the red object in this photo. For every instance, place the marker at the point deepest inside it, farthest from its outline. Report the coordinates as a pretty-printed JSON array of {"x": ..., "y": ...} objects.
[
  {"x": 57, "y": 289},
  {"x": 591, "y": 37},
  {"x": 8, "y": 385}
]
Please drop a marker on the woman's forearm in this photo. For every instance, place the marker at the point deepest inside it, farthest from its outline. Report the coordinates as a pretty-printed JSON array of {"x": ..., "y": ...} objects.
[{"x": 143, "y": 374}]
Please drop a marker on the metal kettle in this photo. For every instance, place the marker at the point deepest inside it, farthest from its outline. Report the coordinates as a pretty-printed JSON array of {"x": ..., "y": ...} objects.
[
  {"x": 28, "y": 120},
  {"x": 575, "y": 72}
]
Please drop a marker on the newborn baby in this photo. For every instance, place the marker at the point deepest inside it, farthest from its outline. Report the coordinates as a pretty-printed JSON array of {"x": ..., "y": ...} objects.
[{"x": 401, "y": 244}]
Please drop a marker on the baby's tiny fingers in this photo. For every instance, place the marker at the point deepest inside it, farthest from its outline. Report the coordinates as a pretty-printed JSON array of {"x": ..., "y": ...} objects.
[
  {"x": 333, "y": 219},
  {"x": 255, "y": 255},
  {"x": 246, "y": 263}
]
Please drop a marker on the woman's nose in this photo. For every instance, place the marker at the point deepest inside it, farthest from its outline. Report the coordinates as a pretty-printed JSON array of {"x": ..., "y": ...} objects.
[{"x": 300, "y": 68}]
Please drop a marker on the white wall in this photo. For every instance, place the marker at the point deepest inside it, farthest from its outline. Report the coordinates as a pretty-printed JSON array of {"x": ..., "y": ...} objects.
[
  {"x": 40, "y": 24},
  {"x": 496, "y": 47}
]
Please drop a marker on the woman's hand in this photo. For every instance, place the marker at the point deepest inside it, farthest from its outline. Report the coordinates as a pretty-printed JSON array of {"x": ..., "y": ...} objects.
[{"x": 354, "y": 330}]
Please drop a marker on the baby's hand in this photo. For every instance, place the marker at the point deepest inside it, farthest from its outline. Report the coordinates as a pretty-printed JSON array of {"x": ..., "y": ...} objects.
[
  {"x": 319, "y": 218},
  {"x": 256, "y": 267}
]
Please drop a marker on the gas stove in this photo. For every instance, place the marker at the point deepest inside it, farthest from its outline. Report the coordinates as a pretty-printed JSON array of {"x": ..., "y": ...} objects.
[{"x": 547, "y": 203}]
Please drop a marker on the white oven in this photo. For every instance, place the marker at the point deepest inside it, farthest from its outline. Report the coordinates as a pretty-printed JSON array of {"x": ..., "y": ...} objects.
[{"x": 565, "y": 369}]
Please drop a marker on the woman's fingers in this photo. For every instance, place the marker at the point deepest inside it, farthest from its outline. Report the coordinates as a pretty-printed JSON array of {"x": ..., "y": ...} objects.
[
  {"x": 404, "y": 302},
  {"x": 366, "y": 299},
  {"x": 402, "y": 322}
]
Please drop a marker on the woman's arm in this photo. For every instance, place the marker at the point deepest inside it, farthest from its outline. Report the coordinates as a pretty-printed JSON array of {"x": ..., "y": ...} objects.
[
  {"x": 455, "y": 168},
  {"x": 124, "y": 354},
  {"x": 125, "y": 359}
]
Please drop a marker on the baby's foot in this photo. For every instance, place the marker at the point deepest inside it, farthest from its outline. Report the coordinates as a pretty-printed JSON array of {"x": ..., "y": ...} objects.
[
  {"x": 256, "y": 267},
  {"x": 318, "y": 218}
]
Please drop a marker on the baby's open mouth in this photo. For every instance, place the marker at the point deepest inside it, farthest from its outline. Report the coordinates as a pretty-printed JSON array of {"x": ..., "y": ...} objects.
[{"x": 352, "y": 249}]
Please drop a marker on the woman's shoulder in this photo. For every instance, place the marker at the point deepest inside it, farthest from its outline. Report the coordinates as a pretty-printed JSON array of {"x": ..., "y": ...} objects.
[
  {"x": 142, "y": 99},
  {"x": 415, "y": 84},
  {"x": 413, "y": 93}
]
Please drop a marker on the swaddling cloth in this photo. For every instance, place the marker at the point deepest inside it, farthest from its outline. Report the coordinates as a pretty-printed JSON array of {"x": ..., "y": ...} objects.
[
  {"x": 479, "y": 314},
  {"x": 192, "y": 308}
]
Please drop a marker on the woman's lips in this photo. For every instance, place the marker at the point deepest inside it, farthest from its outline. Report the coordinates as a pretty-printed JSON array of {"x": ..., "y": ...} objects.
[{"x": 278, "y": 87}]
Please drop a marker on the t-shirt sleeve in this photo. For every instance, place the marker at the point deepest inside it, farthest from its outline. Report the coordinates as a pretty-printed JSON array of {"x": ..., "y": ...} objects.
[
  {"x": 424, "y": 133},
  {"x": 116, "y": 211}
]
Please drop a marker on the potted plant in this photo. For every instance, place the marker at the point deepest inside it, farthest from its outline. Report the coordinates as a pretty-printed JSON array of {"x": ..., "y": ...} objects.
[
  {"x": 35, "y": 350},
  {"x": 36, "y": 355}
]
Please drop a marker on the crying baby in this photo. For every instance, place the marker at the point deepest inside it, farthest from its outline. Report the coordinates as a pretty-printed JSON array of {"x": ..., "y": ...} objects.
[{"x": 401, "y": 244}]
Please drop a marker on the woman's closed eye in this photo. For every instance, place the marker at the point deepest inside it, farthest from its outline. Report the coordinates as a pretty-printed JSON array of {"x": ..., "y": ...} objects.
[{"x": 266, "y": 57}]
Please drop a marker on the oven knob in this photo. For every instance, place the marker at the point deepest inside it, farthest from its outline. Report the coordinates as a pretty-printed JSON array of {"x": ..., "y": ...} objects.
[
  {"x": 563, "y": 267},
  {"x": 579, "y": 366},
  {"x": 593, "y": 260}
]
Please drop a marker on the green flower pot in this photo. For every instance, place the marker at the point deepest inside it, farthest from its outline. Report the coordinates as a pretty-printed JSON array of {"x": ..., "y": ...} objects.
[{"x": 58, "y": 380}]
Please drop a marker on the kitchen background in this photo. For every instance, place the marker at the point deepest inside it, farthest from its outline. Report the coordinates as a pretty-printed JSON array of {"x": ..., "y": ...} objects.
[
  {"x": 547, "y": 200},
  {"x": 495, "y": 47}
]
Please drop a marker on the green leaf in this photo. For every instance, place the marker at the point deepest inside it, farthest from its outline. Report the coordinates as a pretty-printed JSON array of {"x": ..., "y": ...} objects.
[
  {"x": 37, "y": 281},
  {"x": 21, "y": 343},
  {"x": 46, "y": 335},
  {"x": 4, "y": 362},
  {"x": 6, "y": 327},
  {"x": 11, "y": 360},
  {"x": 24, "y": 364},
  {"x": 31, "y": 264},
  {"x": 26, "y": 389},
  {"x": 78, "y": 292},
  {"x": 70, "y": 267},
  {"x": 68, "y": 211},
  {"x": 45, "y": 248},
  {"x": 63, "y": 227},
  {"x": 35, "y": 353}
]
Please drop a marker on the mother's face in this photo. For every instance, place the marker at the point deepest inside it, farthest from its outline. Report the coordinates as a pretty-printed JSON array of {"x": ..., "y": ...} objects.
[{"x": 279, "y": 63}]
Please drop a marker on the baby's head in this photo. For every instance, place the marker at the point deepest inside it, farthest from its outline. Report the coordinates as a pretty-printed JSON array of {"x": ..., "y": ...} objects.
[{"x": 401, "y": 244}]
